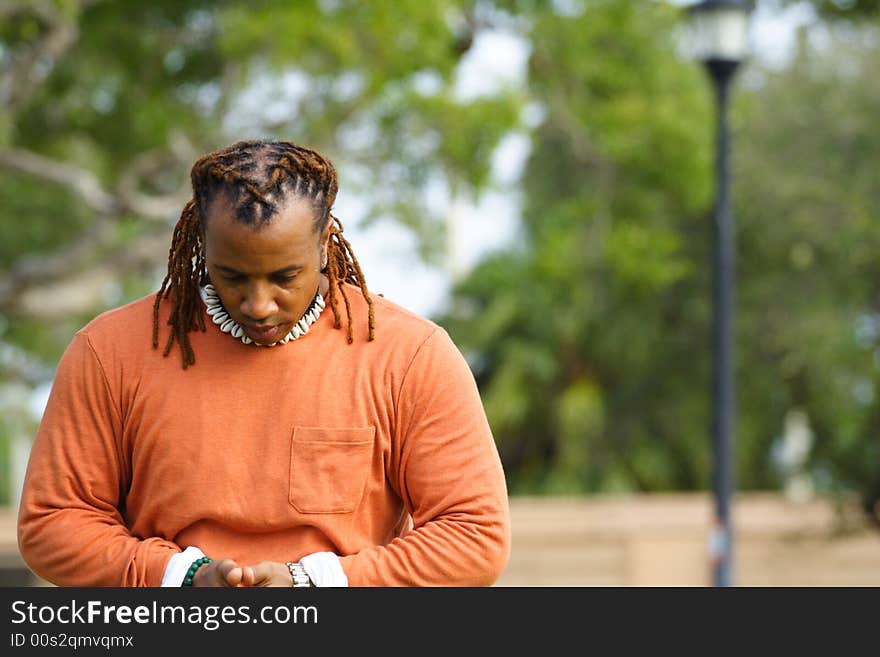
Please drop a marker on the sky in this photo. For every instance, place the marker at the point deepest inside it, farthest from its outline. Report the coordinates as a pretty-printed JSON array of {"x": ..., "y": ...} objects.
[{"x": 387, "y": 252}]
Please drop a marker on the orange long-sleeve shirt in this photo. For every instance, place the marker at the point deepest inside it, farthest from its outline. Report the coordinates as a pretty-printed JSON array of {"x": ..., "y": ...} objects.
[{"x": 259, "y": 453}]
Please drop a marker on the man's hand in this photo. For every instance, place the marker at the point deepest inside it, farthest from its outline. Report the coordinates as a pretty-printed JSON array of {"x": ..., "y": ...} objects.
[
  {"x": 224, "y": 573},
  {"x": 268, "y": 573}
]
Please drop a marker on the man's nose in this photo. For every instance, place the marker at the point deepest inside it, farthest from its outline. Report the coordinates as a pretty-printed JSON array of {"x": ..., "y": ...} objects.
[{"x": 258, "y": 304}]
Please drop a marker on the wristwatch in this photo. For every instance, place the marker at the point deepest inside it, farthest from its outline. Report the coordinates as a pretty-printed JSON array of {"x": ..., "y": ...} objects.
[{"x": 299, "y": 574}]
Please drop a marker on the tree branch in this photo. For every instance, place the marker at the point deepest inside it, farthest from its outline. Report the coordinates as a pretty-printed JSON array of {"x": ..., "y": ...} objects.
[
  {"x": 34, "y": 61},
  {"x": 80, "y": 181},
  {"x": 38, "y": 267},
  {"x": 86, "y": 185},
  {"x": 44, "y": 288}
]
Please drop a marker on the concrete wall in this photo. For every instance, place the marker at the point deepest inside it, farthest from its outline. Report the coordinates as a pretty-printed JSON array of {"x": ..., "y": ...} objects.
[{"x": 662, "y": 540}]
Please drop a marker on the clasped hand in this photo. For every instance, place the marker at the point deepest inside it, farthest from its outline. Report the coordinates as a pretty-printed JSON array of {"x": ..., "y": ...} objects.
[{"x": 227, "y": 572}]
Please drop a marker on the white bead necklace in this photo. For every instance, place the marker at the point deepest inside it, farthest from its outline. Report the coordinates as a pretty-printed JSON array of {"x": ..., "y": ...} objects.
[{"x": 221, "y": 317}]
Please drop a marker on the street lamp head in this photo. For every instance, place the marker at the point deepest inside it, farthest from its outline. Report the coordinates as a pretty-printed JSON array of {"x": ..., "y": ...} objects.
[{"x": 719, "y": 30}]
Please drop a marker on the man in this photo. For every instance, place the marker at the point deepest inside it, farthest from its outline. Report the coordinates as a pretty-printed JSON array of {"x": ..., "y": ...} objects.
[{"x": 279, "y": 449}]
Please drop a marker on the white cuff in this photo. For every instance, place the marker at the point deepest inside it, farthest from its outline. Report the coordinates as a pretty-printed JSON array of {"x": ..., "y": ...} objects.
[
  {"x": 179, "y": 564},
  {"x": 324, "y": 569}
]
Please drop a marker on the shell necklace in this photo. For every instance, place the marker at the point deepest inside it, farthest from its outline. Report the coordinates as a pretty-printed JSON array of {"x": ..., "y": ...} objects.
[{"x": 221, "y": 317}]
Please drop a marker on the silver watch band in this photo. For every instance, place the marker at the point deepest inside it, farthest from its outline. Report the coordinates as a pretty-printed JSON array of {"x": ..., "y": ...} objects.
[{"x": 299, "y": 574}]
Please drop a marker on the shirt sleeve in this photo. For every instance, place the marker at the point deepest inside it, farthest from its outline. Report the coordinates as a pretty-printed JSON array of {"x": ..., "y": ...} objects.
[
  {"x": 447, "y": 470},
  {"x": 178, "y": 565},
  {"x": 71, "y": 529},
  {"x": 324, "y": 569}
]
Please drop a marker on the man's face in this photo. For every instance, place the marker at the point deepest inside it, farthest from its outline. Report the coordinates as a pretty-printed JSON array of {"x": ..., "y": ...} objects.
[{"x": 266, "y": 277}]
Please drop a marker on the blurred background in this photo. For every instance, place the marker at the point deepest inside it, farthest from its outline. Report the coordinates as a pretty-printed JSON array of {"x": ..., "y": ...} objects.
[{"x": 537, "y": 177}]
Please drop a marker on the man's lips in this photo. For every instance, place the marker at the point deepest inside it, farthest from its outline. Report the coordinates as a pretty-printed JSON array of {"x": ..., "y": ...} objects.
[{"x": 264, "y": 334}]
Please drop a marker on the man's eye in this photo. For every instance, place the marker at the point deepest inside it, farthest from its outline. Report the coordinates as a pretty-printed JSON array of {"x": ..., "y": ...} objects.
[{"x": 284, "y": 280}]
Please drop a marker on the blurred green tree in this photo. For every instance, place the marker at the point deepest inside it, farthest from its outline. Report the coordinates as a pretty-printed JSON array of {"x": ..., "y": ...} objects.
[
  {"x": 855, "y": 9},
  {"x": 590, "y": 338},
  {"x": 106, "y": 103},
  {"x": 587, "y": 338},
  {"x": 808, "y": 198}
]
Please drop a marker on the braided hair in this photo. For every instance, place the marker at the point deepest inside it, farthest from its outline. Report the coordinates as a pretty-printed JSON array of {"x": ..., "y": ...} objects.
[{"x": 257, "y": 176}]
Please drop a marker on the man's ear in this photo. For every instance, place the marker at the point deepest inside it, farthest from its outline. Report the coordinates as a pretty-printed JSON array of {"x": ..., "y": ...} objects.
[{"x": 325, "y": 244}]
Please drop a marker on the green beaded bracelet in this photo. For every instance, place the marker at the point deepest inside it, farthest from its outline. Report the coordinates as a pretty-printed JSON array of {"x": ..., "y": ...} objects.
[{"x": 191, "y": 573}]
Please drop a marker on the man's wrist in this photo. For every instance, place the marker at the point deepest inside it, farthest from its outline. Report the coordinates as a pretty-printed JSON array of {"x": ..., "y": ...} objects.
[
  {"x": 193, "y": 569},
  {"x": 298, "y": 575},
  {"x": 175, "y": 571}
]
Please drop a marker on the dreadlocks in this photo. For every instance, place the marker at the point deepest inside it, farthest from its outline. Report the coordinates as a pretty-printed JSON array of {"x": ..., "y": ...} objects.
[{"x": 257, "y": 176}]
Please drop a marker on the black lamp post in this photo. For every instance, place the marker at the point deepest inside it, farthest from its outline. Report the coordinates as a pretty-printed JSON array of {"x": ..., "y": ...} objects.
[{"x": 719, "y": 39}]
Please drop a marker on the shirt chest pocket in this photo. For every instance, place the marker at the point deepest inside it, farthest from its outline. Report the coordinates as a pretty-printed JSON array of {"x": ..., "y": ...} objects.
[{"x": 329, "y": 468}]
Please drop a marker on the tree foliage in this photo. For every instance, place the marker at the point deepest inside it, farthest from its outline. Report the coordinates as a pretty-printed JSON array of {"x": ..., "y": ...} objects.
[
  {"x": 583, "y": 337},
  {"x": 809, "y": 239},
  {"x": 107, "y": 103},
  {"x": 848, "y": 9},
  {"x": 590, "y": 339}
]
